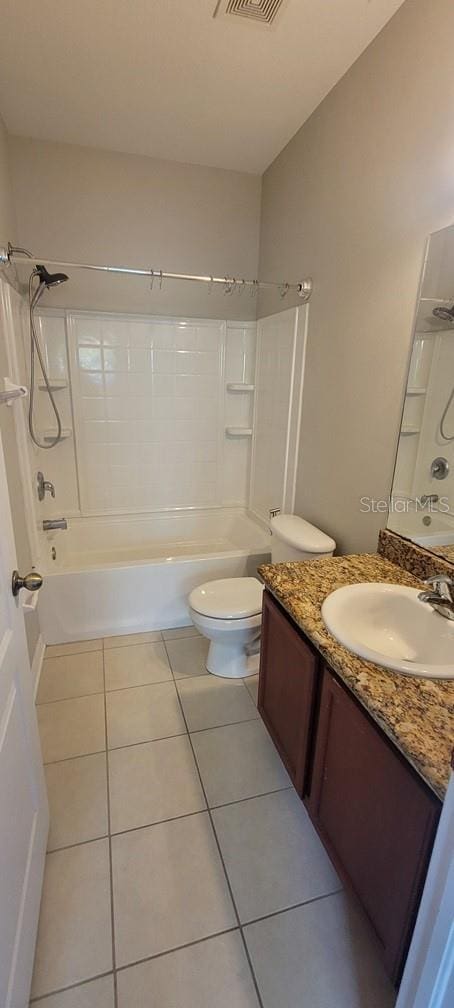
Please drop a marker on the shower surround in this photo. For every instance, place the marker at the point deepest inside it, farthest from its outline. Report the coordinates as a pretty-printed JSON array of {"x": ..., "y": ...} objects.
[
  {"x": 145, "y": 410},
  {"x": 161, "y": 472},
  {"x": 154, "y": 488}
]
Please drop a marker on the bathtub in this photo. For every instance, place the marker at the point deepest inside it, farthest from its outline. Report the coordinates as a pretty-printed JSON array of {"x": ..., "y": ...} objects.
[
  {"x": 410, "y": 524},
  {"x": 128, "y": 574}
]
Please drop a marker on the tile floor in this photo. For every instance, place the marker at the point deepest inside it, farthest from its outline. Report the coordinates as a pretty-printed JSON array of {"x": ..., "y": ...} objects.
[{"x": 182, "y": 869}]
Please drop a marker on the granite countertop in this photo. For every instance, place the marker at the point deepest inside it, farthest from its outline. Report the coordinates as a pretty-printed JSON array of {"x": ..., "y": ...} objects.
[
  {"x": 446, "y": 552},
  {"x": 417, "y": 714}
]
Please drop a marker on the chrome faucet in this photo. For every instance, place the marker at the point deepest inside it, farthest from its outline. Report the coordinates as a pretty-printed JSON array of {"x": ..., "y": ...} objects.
[
  {"x": 440, "y": 597},
  {"x": 44, "y": 486},
  {"x": 54, "y": 523}
]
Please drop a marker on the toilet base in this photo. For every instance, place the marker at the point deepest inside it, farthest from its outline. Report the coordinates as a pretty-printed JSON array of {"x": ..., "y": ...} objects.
[{"x": 230, "y": 661}]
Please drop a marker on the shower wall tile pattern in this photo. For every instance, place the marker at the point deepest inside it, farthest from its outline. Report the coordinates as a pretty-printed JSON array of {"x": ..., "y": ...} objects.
[{"x": 150, "y": 409}]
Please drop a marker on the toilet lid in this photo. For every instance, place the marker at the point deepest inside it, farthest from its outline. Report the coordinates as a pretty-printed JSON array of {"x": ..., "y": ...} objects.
[
  {"x": 301, "y": 535},
  {"x": 229, "y": 598}
]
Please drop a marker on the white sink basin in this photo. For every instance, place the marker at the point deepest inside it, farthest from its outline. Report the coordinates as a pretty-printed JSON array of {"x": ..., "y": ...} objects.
[{"x": 388, "y": 625}]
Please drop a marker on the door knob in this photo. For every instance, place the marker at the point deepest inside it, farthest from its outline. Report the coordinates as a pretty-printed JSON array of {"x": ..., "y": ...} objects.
[{"x": 31, "y": 582}]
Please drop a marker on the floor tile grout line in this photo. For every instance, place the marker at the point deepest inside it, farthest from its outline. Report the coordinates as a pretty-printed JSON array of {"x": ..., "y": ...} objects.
[
  {"x": 226, "y": 724},
  {"x": 121, "y": 637},
  {"x": 118, "y": 689},
  {"x": 169, "y": 819},
  {"x": 179, "y": 948},
  {"x": 70, "y": 654},
  {"x": 293, "y": 906},
  {"x": 70, "y": 987},
  {"x": 260, "y": 794},
  {"x": 128, "y": 745},
  {"x": 229, "y": 887},
  {"x": 67, "y": 759},
  {"x": 79, "y": 696},
  {"x": 78, "y": 843},
  {"x": 122, "y": 689},
  {"x": 112, "y": 911},
  {"x": 134, "y": 963},
  {"x": 148, "y": 741}
]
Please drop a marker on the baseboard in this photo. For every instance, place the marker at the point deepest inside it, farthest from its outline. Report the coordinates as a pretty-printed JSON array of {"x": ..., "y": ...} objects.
[{"x": 37, "y": 663}]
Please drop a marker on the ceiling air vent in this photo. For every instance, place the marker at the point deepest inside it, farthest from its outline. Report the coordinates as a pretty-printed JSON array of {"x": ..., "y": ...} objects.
[{"x": 263, "y": 12}]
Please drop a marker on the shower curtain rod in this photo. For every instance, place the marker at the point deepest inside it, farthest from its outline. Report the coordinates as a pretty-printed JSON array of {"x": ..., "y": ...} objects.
[{"x": 303, "y": 289}]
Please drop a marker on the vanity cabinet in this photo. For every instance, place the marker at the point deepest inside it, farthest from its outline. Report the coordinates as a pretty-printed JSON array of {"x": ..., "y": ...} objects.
[
  {"x": 287, "y": 689},
  {"x": 375, "y": 816}
]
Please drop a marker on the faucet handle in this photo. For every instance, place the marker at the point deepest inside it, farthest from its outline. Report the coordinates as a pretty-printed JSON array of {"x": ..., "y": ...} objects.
[
  {"x": 443, "y": 585},
  {"x": 439, "y": 579},
  {"x": 43, "y": 486}
]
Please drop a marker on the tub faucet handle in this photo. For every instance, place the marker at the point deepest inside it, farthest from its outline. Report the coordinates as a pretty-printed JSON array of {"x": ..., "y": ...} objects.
[{"x": 54, "y": 523}]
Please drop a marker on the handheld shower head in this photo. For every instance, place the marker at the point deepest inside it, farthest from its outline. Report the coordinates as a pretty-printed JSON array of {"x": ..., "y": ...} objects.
[
  {"x": 46, "y": 280},
  {"x": 445, "y": 314},
  {"x": 49, "y": 279}
]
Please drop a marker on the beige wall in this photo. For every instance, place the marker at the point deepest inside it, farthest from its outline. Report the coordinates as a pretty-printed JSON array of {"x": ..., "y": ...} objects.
[
  {"x": 351, "y": 201},
  {"x": 8, "y": 233},
  {"x": 7, "y": 216},
  {"x": 90, "y": 205}
]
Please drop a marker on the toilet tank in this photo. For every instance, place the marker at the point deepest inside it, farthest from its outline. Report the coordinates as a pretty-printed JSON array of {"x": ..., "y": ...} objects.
[{"x": 293, "y": 538}]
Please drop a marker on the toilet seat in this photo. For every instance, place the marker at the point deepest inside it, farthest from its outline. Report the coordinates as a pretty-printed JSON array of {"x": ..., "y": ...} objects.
[
  {"x": 206, "y": 624},
  {"x": 228, "y": 598}
]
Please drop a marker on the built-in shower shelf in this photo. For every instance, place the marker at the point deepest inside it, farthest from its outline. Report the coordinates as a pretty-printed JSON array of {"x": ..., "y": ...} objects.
[
  {"x": 55, "y": 385},
  {"x": 410, "y": 429},
  {"x": 238, "y": 432},
  {"x": 414, "y": 390},
  {"x": 50, "y": 435},
  {"x": 239, "y": 387}
]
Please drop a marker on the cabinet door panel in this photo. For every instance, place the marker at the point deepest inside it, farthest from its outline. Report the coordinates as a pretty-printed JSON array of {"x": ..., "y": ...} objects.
[
  {"x": 376, "y": 818},
  {"x": 287, "y": 683}
]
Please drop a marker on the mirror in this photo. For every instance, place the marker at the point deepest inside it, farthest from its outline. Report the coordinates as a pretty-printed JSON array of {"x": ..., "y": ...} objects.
[{"x": 422, "y": 504}]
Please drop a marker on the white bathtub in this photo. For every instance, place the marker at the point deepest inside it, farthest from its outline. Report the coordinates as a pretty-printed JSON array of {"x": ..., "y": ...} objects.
[
  {"x": 410, "y": 524},
  {"x": 133, "y": 573}
]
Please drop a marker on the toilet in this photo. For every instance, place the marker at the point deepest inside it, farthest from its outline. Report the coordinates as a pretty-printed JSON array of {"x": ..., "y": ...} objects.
[{"x": 229, "y": 611}]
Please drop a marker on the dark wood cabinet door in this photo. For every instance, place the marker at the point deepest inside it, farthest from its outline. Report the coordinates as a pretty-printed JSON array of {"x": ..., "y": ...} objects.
[
  {"x": 376, "y": 818},
  {"x": 288, "y": 669}
]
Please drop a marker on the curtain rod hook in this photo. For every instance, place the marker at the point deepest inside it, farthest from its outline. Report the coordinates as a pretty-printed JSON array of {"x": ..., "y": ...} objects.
[{"x": 152, "y": 279}]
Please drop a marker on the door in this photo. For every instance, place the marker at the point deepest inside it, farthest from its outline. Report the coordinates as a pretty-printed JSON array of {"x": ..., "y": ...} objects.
[
  {"x": 23, "y": 802},
  {"x": 287, "y": 686}
]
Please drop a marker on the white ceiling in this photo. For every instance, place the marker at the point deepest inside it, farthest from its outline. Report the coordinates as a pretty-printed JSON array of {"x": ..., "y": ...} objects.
[{"x": 164, "y": 78}]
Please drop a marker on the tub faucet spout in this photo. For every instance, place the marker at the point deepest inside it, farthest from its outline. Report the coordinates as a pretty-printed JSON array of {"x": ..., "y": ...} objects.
[{"x": 54, "y": 523}]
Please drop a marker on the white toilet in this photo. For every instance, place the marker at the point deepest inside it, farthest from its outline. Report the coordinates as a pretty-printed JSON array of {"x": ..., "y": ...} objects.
[{"x": 229, "y": 612}]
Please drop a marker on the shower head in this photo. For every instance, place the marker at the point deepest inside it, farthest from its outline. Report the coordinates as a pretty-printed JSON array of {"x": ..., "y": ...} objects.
[
  {"x": 446, "y": 314},
  {"x": 49, "y": 279}
]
